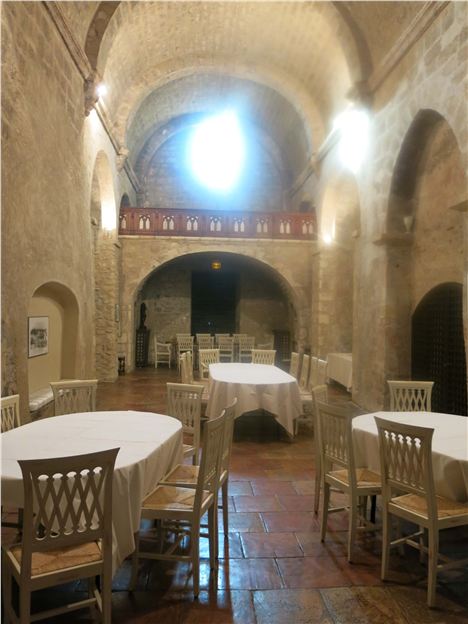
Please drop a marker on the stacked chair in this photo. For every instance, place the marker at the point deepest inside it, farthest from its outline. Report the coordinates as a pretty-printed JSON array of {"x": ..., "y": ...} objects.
[
  {"x": 226, "y": 348},
  {"x": 246, "y": 344}
]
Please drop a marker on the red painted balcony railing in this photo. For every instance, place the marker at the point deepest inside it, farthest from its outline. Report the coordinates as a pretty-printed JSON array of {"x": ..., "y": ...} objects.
[{"x": 217, "y": 223}]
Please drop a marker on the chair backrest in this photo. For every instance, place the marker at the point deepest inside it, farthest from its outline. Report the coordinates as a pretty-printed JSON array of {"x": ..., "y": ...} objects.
[
  {"x": 219, "y": 336},
  {"x": 322, "y": 367},
  {"x": 207, "y": 357},
  {"x": 304, "y": 378},
  {"x": 238, "y": 337},
  {"x": 335, "y": 438},
  {"x": 205, "y": 341},
  {"x": 184, "y": 403},
  {"x": 406, "y": 460},
  {"x": 410, "y": 396},
  {"x": 313, "y": 372},
  {"x": 71, "y": 396},
  {"x": 230, "y": 414},
  {"x": 319, "y": 395},
  {"x": 210, "y": 464},
  {"x": 294, "y": 364},
  {"x": 225, "y": 343},
  {"x": 184, "y": 342},
  {"x": 67, "y": 501},
  {"x": 10, "y": 412},
  {"x": 263, "y": 356},
  {"x": 189, "y": 365}
]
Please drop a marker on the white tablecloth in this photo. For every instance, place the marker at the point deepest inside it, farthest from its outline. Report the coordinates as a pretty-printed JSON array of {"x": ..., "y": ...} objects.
[
  {"x": 150, "y": 445},
  {"x": 449, "y": 447},
  {"x": 256, "y": 386},
  {"x": 340, "y": 368}
]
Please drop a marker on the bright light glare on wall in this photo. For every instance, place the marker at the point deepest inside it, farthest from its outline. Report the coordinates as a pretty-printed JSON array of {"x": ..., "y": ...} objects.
[
  {"x": 353, "y": 126},
  {"x": 108, "y": 219},
  {"x": 217, "y": 151},
  {"x": 101, "y": 89}
]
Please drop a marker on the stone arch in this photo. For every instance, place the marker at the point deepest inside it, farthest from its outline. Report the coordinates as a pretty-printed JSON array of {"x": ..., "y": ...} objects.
[
  {"x": 106, "y": 273},
  {"x": 125, "y": 201},
  {"x": 97, "y": 29},
  {"x": 426, "y": 221},
  {"x": 57, "y": 302}
]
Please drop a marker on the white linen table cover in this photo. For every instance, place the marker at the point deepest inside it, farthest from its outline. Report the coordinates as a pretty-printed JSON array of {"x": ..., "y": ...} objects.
[
  {"x": 340, "y": 368},
  {"x": 150, "y": 445},
  {"x": 256, "y": 386},
  {"x": 449, "y": 447}
]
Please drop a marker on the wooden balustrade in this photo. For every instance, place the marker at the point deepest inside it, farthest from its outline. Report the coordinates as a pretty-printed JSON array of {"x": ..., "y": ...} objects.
[{"x": 217, "y": 223}]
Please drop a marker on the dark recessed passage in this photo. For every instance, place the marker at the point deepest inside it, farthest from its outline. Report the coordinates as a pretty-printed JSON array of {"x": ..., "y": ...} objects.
[{"x": 214, "y": 301}]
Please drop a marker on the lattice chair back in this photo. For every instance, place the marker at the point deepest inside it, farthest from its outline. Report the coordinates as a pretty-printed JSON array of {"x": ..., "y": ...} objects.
[
  {"x": 304, "y": 378},
  {"x": 230, "y": 414},
  {"x": 335, "y": 438},
  {"x": 72, "y": 396},
  {"x": 10, "y": 412},
  {"x": 313, "y": 371},
  {"x": 207, "y": 357},
  {"x": 205, "y": 341},
  {"x": 263, "y": 356},
  {"x": 322, "y": 369},
  {"x": 184, "y": 343},
  {"x": 184, "y": 403},
  {"x": 246, "y": 344},
  {"x": 67, "y": 502},
  {"x": 294, "y": 364},
  {"x": 406, "y": 459},
  {"x": 410, "y": 396},
  {"x": 210, "y": 465},
  {"x": 219, "y": 336},
  {"x": 238, "y": 337},
  {"x": 226, "y": 348}
]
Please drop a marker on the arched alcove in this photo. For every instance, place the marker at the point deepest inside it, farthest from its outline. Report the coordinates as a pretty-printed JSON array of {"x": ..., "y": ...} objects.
[
  {"x": 125, "y": 201},
  {"x": 425, "y": 225},
  {"x": 106, "y": 272},
  {"x": 57, "y": 307}
]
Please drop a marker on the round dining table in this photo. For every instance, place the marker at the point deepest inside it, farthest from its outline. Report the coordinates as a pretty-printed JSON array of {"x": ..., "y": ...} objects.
[
  {"x": 256, "y": 387},
  {"x": 150, "y": 446}
]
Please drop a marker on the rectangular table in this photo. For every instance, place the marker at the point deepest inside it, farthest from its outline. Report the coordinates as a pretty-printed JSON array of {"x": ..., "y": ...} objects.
[
  {"x": 340, "y": 368},
  {"x": 449, "y": 447},
  {"x": 256, "y": 386},
  {"x": 150, "y": 445}
]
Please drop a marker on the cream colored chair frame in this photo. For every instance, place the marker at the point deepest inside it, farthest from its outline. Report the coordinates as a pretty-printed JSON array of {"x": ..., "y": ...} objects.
[
  {"x": 322, "y": 370},
  {"x": 245, "y": 345},
  {"x": 184, "y": 403},
  {"x": 313, "y": 372},
  {"x": 226, "y": 348},
  {"x": 263, "y": 356},
  {"x": 319, "y": 395},
  {"x": 304, "y": 377},
  {"x": 294, "y": 364},
  {"x": 410, "y": 396},
  {"x": 336, "y": 449},
  {"x": 406, "y": 467},
  {"x": 73, "y": 396},
  {"x": 207, "y": 357},
  {"x": 67, "y": 512},
  {"x": 184, "y": 344},
  {"x": 205, "y": 341},
  {"x": 10, "y": 412},
  {"x": 162, "y": 353}
]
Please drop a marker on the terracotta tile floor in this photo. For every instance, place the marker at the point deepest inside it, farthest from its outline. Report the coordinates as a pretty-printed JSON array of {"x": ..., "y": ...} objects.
[{"x": 273, "y": 568}]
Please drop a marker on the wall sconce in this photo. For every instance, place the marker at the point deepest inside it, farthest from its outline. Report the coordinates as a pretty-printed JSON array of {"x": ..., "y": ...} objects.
[{"x": 216, "y": 266}]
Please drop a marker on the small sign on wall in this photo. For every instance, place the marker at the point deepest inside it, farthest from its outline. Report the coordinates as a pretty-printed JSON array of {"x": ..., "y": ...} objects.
[{"x": 38, "y": 335}]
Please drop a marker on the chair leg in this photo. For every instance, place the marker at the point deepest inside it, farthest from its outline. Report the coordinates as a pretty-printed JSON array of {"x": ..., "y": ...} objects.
[
  {"x": 24, "y": 606},
  {"x": 326, "y": 501},
  {"x": 213, "y": 535},
  {"x": 386, "y": 537},
  {"x": 422, "y": 555},
  {"x": 318, "y": 479},
  {"x": 106, "y": 595},
  {"x": 134, "y": 576},
  {"x": 353, "y": 513},
  {"x": 433, "y": 541},
  {"x": 225, "y": 508},
  {"x": 195, "y": 547},
  {"x": 6, "y": 585}
]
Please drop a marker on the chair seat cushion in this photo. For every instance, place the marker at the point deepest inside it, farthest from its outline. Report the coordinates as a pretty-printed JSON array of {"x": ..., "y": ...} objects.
[
  {"x": 167, "y": 497},
  {"x": 364, "y": 477},
  {"x": 55, "y": 560},
  {"x": 446, "y": 508},
  {"x": 183, "y": 474}
]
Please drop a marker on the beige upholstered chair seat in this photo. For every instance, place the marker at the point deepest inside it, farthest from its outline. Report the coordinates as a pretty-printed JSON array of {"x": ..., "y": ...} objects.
[
  {"x": 170, "y": 497},
  {"x": 182, "y": 474},
  {"x": 446, "y": 508},
  {"x": 54, "y": 560},
  {"x": 364, "y": 477}
]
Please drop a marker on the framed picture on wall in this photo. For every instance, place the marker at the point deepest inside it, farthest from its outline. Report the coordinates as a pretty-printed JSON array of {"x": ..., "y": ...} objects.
[{"x": 38, "y": 335}]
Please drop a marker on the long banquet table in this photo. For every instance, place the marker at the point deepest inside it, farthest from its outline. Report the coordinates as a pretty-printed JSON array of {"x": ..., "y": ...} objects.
[
  {"x": 449, "y": 447},
  {"x": 256, "y": 386},
  {"x": 150, "y": 445}
]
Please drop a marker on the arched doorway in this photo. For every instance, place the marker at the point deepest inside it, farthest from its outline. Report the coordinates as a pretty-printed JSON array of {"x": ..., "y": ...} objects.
[{"x": 438, "y": 348}]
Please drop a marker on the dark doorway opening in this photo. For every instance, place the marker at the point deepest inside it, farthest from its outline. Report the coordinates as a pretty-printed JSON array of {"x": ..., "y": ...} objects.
[
  {"x": 438, "y": 347},
  {"x": 214, "y": 301}
]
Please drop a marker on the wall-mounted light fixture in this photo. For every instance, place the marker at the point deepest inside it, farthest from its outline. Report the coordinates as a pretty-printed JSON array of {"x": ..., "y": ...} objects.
[{"x": 216, "y": 265}]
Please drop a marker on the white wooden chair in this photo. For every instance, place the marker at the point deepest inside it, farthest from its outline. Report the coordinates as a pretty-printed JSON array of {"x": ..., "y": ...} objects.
[
  {"x": 263, "y": 356},
  {"x": 226, "y": 348},
  {"x": 322, "y": 370},
  {"x": 72, "y": 396},
  {"x": 319, "y": 395},
  {"x": 188, "y": 505},
  {"x": 67, "y": 533},
  {"x": 294, "y": 365},
  {"x": 184, "y": 343},
  {"x": 187, "y": 476},
  {"x": 340, "y": 472},
  {"x": 304, "y": 377},
  {"x": 184, "y": 403},
  {"x": 408, "y": 493},
  {"x": 162, "y": 353},
  {"x": 10, "y": 412},
  {"x": 313, "y": 372},
  {"x": 237, "y": 345},
  {"x": 207, "y": 357},
  {"x": 218, "y": 336},
  {"x": 410, "y": 396},
  {"x": 205, "y": 341}
]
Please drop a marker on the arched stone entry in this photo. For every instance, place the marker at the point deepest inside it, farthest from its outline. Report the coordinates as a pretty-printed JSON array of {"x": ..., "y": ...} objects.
[
  {"x": 438, "y": 347},
  {"x": 106, "y": 269},
  {"x": 425, "y": 229}
]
